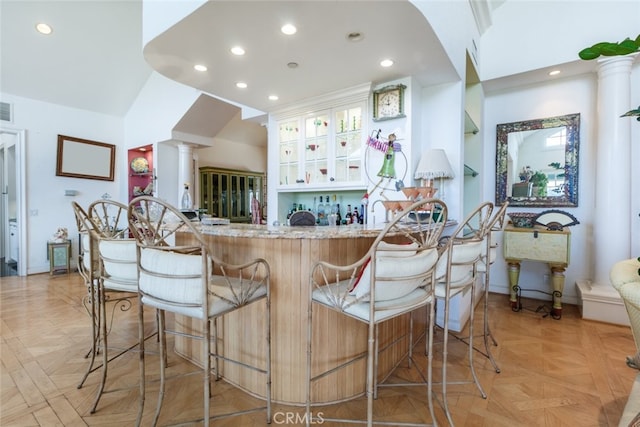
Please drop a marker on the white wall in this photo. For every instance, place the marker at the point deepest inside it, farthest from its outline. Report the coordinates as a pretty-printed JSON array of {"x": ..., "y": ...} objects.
[
  {"x": 157, "y": 109},
  {"x": 526, "y": 36},
  {"x": 443, "y": 127},
  {"x": 234, "y": 155},
  {"x": 560, "y": 97},
  {"x": 46, "y": 205},
  {"x": 159, "y": 106},
  {"x": 455, "y": 26}
]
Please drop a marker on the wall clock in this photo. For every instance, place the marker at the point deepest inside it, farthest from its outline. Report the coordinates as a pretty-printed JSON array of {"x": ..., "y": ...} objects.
[{"x": 388, "y": 103}]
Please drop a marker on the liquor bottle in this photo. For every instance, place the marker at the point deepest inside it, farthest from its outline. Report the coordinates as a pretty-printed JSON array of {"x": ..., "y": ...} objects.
[
  {"x": 338, "y": 215},
  {"x": 321, "y": 212},
  {"x": 348, "y": 215},
  {"x": 361, "y": 218},
  {"x": 186, "y": 198},
  {"x": 355, "y": 218}
]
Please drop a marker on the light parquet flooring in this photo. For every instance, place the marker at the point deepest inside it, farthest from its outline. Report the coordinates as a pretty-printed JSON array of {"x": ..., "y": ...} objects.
[{"x": 567, "y": 372}]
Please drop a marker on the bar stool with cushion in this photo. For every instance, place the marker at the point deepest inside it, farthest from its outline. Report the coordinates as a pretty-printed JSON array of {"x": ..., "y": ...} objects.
[
  {"x": 189, "y": 281},
  {"x": 394, "y": 278},
  {"x": 456, "y": 274},
  {"x": 117, "y": 277},
  {"x": 487, "y": 258},
  {"x": 88, "y": 269}
]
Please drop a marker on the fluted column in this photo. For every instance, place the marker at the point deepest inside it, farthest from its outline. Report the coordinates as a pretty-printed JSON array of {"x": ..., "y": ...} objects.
[
  {"x": 185, "y": 171},
  {"x": 612, "y": 236}
]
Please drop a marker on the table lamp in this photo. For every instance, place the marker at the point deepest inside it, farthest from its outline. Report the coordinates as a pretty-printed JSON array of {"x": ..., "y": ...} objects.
[{"x": 434, "y": 164}]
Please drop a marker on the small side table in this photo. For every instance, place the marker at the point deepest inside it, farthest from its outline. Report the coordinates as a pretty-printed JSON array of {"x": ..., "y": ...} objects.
[
  {"x": 537, "y": 244},
  {"x": 59, "y": 256}
]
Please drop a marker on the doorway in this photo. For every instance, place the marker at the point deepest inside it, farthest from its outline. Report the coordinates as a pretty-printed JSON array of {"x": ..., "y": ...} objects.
[{"x": 12, "y": 203}]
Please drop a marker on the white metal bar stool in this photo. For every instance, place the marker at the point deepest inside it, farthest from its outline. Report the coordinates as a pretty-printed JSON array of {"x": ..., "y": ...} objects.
[
  {"x": 394, "y": 278},
  {"x": 190, "y": 281}
]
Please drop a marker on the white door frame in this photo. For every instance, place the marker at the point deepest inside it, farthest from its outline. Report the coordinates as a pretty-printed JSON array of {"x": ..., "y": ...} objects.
[{"x": 21, "y": 205}]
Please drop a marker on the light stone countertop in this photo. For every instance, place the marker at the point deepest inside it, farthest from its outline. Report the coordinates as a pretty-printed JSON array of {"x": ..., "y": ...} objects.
[{"x": 288, "y": 232}]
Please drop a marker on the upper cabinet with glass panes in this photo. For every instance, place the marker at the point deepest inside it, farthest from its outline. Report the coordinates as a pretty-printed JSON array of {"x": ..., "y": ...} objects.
[{"x": 323, "y": 149}]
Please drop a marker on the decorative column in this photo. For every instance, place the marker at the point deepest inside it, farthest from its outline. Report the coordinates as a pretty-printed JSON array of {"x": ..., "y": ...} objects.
[
  {"x": 612, "y": 220},
  {"x": 185, "y": 171},
  {"x": 612, "y": 235}
]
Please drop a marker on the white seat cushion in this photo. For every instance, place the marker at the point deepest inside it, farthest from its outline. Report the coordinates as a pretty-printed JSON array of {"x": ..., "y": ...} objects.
[
  {"x": 383, "y": 309},
  {"x": 181, "y": 291},
  {"x": 396, "y": 275},
  {"x": 119, "y": 260},
  {"x": 463, "y": 254},
  {"x": 493, "y": 253},
  {"x": 183, "y": 283}
]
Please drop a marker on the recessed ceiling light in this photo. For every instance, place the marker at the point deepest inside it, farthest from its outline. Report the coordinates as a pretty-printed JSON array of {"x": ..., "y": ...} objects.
[
  {"x": 273, "y": 97},
  {"x": 292, "y": 65},
  {"x": 241, "y": 85},
  {"x": 200, "y": 67},
  {"x": 237, "y": 50},
  {"x": 355, "y": 36},
  {"x": 43, "y": 28},
  {"x": 554, "y": 72},
  {"x": 288, "y": 29},
  {"x": 386, "y": 63}
]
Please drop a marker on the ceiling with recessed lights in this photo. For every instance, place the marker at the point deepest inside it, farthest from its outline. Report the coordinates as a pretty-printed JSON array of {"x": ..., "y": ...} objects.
[
  {"x": 92, "y": 59},
  {"x": 338, "y": 44}
]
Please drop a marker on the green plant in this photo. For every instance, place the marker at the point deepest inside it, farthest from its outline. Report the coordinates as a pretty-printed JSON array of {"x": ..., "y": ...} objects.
[
  {"x": 625, "y": 47},
  {"x": 539, "y": 181}
]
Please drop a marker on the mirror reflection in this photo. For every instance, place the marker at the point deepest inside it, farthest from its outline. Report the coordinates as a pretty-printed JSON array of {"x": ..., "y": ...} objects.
[{"x": 537, "y": 162}]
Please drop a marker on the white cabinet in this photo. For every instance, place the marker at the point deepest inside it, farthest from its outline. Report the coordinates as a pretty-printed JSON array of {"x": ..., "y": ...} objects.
[{"x": 323, "y": 149}]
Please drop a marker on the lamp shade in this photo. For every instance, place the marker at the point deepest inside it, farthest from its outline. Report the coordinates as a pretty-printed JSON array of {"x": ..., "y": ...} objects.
[{"x": 434, "y": 164}]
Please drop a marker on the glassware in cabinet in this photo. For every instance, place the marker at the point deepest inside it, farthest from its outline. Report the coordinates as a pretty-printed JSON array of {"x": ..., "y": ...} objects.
[
  {"x": 289, "y": 140},
  {"x": 348, "y": 144},
  {"x": 316, "y": 149}
]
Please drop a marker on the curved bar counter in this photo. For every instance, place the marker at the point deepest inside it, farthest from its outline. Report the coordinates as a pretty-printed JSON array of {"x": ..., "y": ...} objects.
[{"x": 291, "y": 252}]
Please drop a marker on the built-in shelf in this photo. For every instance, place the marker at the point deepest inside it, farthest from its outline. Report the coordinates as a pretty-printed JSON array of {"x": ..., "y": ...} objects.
[
  {"x": 468, "y": 171},
  {"x": 469, "y": 125}
]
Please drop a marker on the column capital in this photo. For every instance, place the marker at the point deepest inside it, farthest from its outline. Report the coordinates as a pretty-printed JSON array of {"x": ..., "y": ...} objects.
[{"x": 616, "y": 64}]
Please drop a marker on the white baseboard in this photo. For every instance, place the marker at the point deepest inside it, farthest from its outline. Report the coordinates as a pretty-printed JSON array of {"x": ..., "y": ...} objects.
[
  {"x": 601, "y": 303},
  {"x": 459, "y": 308}
]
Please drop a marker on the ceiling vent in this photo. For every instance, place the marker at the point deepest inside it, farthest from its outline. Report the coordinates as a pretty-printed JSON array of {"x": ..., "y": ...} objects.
[{"x": 6, "y": 112}]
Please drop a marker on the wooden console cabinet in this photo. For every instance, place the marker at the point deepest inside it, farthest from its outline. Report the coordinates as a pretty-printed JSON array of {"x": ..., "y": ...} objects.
[{"x": 537, "y": 244}]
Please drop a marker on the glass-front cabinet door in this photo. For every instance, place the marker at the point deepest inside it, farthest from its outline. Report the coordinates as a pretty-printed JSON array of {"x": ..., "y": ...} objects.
[
  {"x": 316, "y": 149},
  {"x": 228, "y": 193},
  {"x": 323, "y": 149},
  {"x": 289, "y": 137},
  {"x": 348, "y": 144}
]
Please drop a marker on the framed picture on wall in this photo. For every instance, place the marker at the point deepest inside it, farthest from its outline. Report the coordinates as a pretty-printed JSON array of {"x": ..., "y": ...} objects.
[{"x": 82, "y": 158}]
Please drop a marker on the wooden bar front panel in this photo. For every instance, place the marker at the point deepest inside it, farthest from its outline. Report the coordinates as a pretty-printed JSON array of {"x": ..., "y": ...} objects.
[{"x": 336, "y": 337}]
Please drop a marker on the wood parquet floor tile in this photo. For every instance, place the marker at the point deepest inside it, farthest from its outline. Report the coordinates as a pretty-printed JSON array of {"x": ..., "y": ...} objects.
[{"x": 567, "y": 372}]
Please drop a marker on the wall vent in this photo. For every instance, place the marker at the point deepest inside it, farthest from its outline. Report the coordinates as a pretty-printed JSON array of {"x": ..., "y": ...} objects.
[{"x": 6, "y": 112}]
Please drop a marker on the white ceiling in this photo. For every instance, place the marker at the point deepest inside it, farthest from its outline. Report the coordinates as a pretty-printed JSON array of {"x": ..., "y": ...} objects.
[
  {"x": 94, "y": 59},
  {"x": 327, "y": 60}
]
